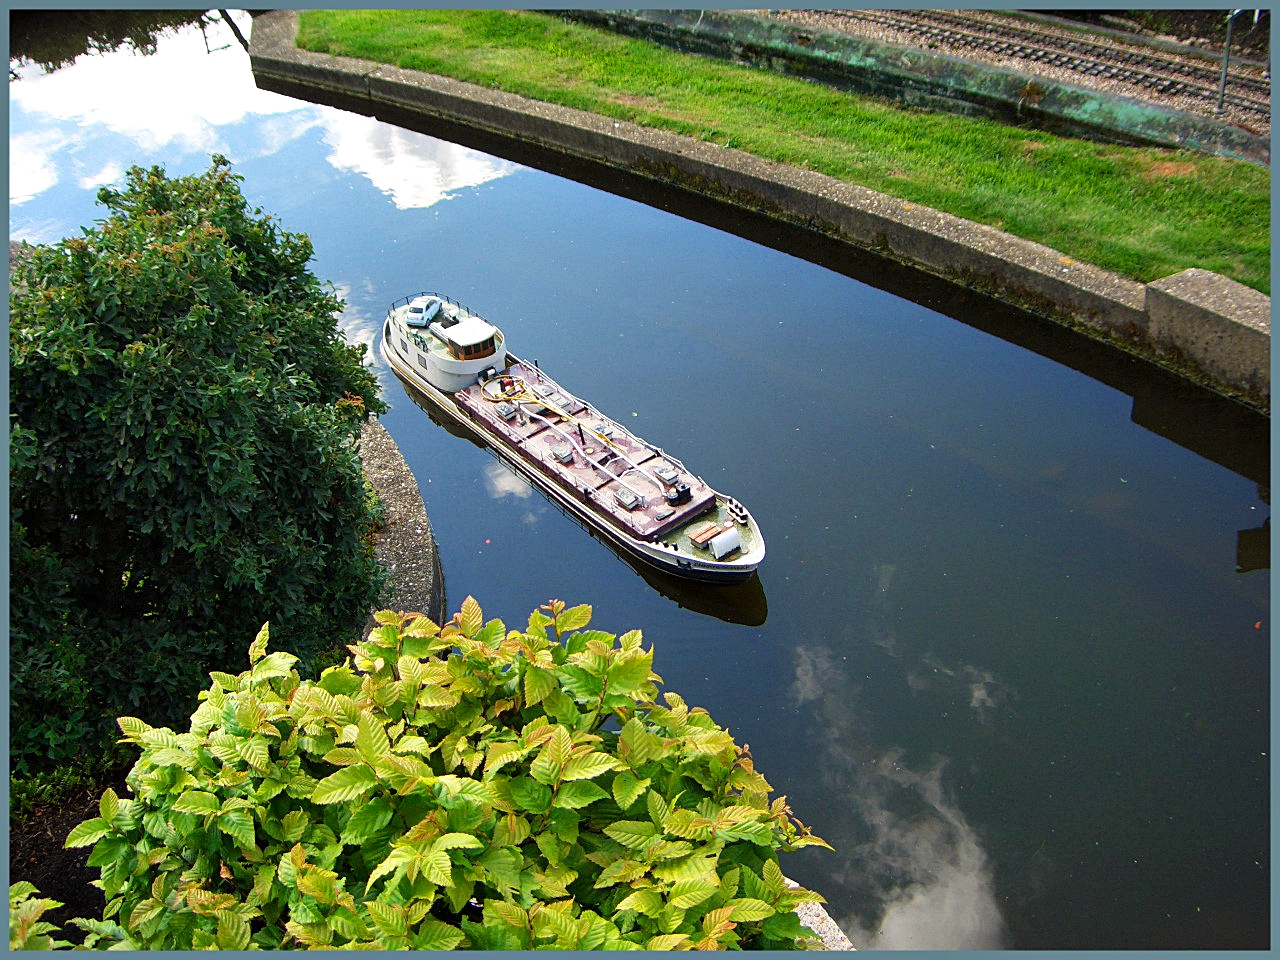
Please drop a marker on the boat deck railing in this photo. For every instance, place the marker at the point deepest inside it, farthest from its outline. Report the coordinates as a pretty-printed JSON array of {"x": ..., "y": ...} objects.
[{"x": 404, "y": 301}]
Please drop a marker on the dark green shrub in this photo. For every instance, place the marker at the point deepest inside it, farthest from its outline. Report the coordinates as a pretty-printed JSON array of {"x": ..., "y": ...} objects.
[
  {"x": 464, "y": 787},
  {"x": 183, "y": 424}
]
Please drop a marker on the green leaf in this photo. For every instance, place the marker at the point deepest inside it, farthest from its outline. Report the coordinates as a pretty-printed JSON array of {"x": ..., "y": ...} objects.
[
  {"x": 348, "y": 924},
  {"x": 689, "y": 824},
  {"x": 233, "y": 931},
  {"x": 578, "y": 794},
  {"x": 470, "y": 617},
  {"x": 491, "y": 634},
  {"x": 173, "y": 757},
  {"x": 531, "y": 795},
  {"x": 437, "y": 697},
  {"x": 657, "y": 808},
  {"x": 198, "y": 802},
  {"x": 109, "y": 806},
  {"x": 433, "y": 934},
  {"x": 371, "y": 737},
  {"x": 648, "y": 902},
  {"x": 367, "y": 820},
  {"x": 258, "y": 648},
  {"x": 294, "y": 824},
  {"x": 547, "y": 765},
  {"x": 782, "y": 926},
  {"x": 500, "y": 754},
  {"x": 255, "y": 752},
  {"x": 574, "y": 618},
  {"x": 580, "y": 684},
  {"x": 588, "y": 766},
  {"x": 457, "y": 841},
  {"x": 389, "y": 919},
  {"x": 399, "y": 857},
  {"x": 132, "y": 728},
  {"x": 238, "y": 824},
  {"x": 537, "y": 684},
  {"x": 435, "y": 866},
  {"x": 621, "y": 871},
  {"x": 629, "y": 674},
  {"x": 510, "y": 831},
  {"x": 761, "y": 834},
  {"x": 666, "y": 941},
  {"x": 746, "y": 910},
  {"x": 686, "y": 894},
  {"x": 636, "y": 745},
  {"x": 627, "y": 788},
  {"x": 346, "y": 784},
  {"x": 632, "y": 834},
  {"x": 771, "y": 873},
  {"x": 554, "y": 881},
  {"x": 501, "y": 868},
  {"x": 84, "y": 834},
  {"x": 278, "y": 664},
  {"x": 323, "y": 886}
]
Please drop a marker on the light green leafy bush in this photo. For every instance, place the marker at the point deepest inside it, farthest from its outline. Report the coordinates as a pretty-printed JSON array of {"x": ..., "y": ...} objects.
[
  {"x": 460, "y": 787},
  {"x": 27, "y": 929}
]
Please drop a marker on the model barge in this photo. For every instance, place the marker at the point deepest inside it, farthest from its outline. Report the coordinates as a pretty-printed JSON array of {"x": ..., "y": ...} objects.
[{"x": 640, "y": 497}]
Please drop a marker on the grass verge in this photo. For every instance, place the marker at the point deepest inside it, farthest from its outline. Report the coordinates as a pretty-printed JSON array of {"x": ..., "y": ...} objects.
[{"x": 1140, "y": 212}]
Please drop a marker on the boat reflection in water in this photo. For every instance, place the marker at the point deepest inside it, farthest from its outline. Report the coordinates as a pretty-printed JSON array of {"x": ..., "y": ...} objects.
[{"x": 742, "y": 602}]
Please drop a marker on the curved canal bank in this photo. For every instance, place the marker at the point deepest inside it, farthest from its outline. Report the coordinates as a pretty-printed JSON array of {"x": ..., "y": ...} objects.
[
  {"x": 405, "y": 546},
  {"x": 1205, "y": 327}
]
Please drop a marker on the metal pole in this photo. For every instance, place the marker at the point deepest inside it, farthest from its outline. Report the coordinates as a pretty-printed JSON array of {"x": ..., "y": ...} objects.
[{"x": 1226, "y": 57}]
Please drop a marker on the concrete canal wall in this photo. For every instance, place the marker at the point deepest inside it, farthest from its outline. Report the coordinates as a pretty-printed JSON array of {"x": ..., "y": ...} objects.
[{"x": 1202, "y": 325}]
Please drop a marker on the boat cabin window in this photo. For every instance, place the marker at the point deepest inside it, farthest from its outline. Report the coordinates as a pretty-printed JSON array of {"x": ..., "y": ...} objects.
[
  {"x": 473, "y": 351},
  {"x": 470, "y": 339}
]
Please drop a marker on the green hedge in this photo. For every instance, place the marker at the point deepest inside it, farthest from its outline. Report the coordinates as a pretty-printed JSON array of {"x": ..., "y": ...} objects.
[{"x": 468, "y": 786}]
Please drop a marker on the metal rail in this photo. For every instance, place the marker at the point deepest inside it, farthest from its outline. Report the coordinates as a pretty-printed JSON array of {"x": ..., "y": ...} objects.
[{"x": 1148, "y": 69}]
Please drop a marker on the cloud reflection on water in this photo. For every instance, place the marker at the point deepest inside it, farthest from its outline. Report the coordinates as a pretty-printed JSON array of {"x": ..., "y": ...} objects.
[
  {"x": 414, "y": 170},
  {"x": 912, "y": 864},
  {"x": 89, "y": 122},
  {"x": 501, "y": 482}
]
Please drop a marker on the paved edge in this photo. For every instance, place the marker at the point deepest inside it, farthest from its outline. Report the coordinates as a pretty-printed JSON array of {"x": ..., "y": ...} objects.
[
  {"x": 1206, "y": 327},
  {"x": 406, "y": 546}
]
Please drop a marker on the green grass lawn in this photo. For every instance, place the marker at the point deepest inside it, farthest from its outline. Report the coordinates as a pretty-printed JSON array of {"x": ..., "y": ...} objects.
[{"x": 1140, "y": 212}]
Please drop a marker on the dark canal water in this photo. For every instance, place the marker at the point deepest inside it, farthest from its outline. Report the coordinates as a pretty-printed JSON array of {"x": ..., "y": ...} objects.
[{"x": 1009, "y": 651}]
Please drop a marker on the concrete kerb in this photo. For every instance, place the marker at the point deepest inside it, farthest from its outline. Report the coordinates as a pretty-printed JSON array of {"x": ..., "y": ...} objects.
[{"x": 1209, "y": 340}]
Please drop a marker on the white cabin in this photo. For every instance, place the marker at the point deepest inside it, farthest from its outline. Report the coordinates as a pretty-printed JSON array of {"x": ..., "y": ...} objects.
[{"x": 453, "y": 350}]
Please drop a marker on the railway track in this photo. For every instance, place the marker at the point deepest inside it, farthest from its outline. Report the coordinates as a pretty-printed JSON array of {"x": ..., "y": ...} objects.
[{"x": 1184, "y": 80}]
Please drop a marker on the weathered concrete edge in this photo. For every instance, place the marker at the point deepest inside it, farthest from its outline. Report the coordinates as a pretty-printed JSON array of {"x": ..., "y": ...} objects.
[
  {"x": 406, "y": 546},
  {"x": 1212, "y": 344}
]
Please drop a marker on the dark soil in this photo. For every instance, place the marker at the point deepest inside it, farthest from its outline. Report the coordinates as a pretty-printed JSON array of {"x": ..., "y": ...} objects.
[{"x": 37, "y": 855}]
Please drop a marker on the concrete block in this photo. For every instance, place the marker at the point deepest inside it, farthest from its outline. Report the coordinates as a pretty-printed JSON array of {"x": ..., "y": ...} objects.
[{"x": 1222, "y": 326}]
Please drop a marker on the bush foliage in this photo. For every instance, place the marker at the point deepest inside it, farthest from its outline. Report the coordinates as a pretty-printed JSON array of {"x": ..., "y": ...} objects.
[
  {"x": 183, "y": 416},
  {"x": 460, "y": 787}
]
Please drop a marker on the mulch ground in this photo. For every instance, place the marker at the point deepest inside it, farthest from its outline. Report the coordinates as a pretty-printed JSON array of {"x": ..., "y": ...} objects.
[{"x": 37, "y": 854}]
